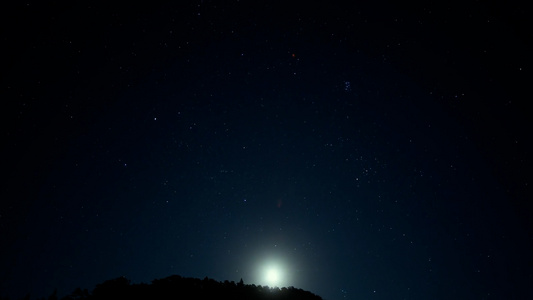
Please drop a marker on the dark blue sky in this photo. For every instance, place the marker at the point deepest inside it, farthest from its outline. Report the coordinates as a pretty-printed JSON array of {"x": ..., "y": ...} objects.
[{"x": 371, "y": 151}]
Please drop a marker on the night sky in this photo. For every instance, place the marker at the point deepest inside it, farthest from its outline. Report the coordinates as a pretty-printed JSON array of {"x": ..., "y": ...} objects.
[{"x": 365, "y": 151}]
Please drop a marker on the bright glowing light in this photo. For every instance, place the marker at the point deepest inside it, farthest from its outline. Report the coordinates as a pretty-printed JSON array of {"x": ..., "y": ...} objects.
[
  {"x": 271, "y": 269},
  {"x": 272, "y": 274}
]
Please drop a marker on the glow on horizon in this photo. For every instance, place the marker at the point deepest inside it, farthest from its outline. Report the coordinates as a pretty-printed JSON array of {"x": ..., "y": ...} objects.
[{"x": 272, "y": 274}]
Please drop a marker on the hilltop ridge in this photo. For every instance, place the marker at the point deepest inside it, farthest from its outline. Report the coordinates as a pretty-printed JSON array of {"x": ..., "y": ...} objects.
[{"x": 178, "y": 287}]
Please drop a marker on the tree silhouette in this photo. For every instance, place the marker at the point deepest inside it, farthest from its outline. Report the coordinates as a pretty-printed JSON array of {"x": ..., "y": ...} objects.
[
  {"x": 117, "y": 288},
  {"x": 177, "y": 287}
]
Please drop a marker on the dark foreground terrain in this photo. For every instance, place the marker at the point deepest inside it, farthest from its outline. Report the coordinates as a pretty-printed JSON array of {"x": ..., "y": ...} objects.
[{"x": 177, "y": 287}]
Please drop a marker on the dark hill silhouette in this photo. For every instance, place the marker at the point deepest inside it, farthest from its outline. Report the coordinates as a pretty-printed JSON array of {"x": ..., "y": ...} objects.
[{"x": 177, "y": 287}]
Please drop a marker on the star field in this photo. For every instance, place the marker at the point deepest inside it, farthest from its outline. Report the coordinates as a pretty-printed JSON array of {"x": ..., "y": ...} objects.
[{"x": 360, "y": 151}]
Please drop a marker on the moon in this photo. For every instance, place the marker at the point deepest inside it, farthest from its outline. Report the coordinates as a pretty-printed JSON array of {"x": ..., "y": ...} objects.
[
  {"x": 273, "y": 274},
  {"x": 272, "y": 270}
]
